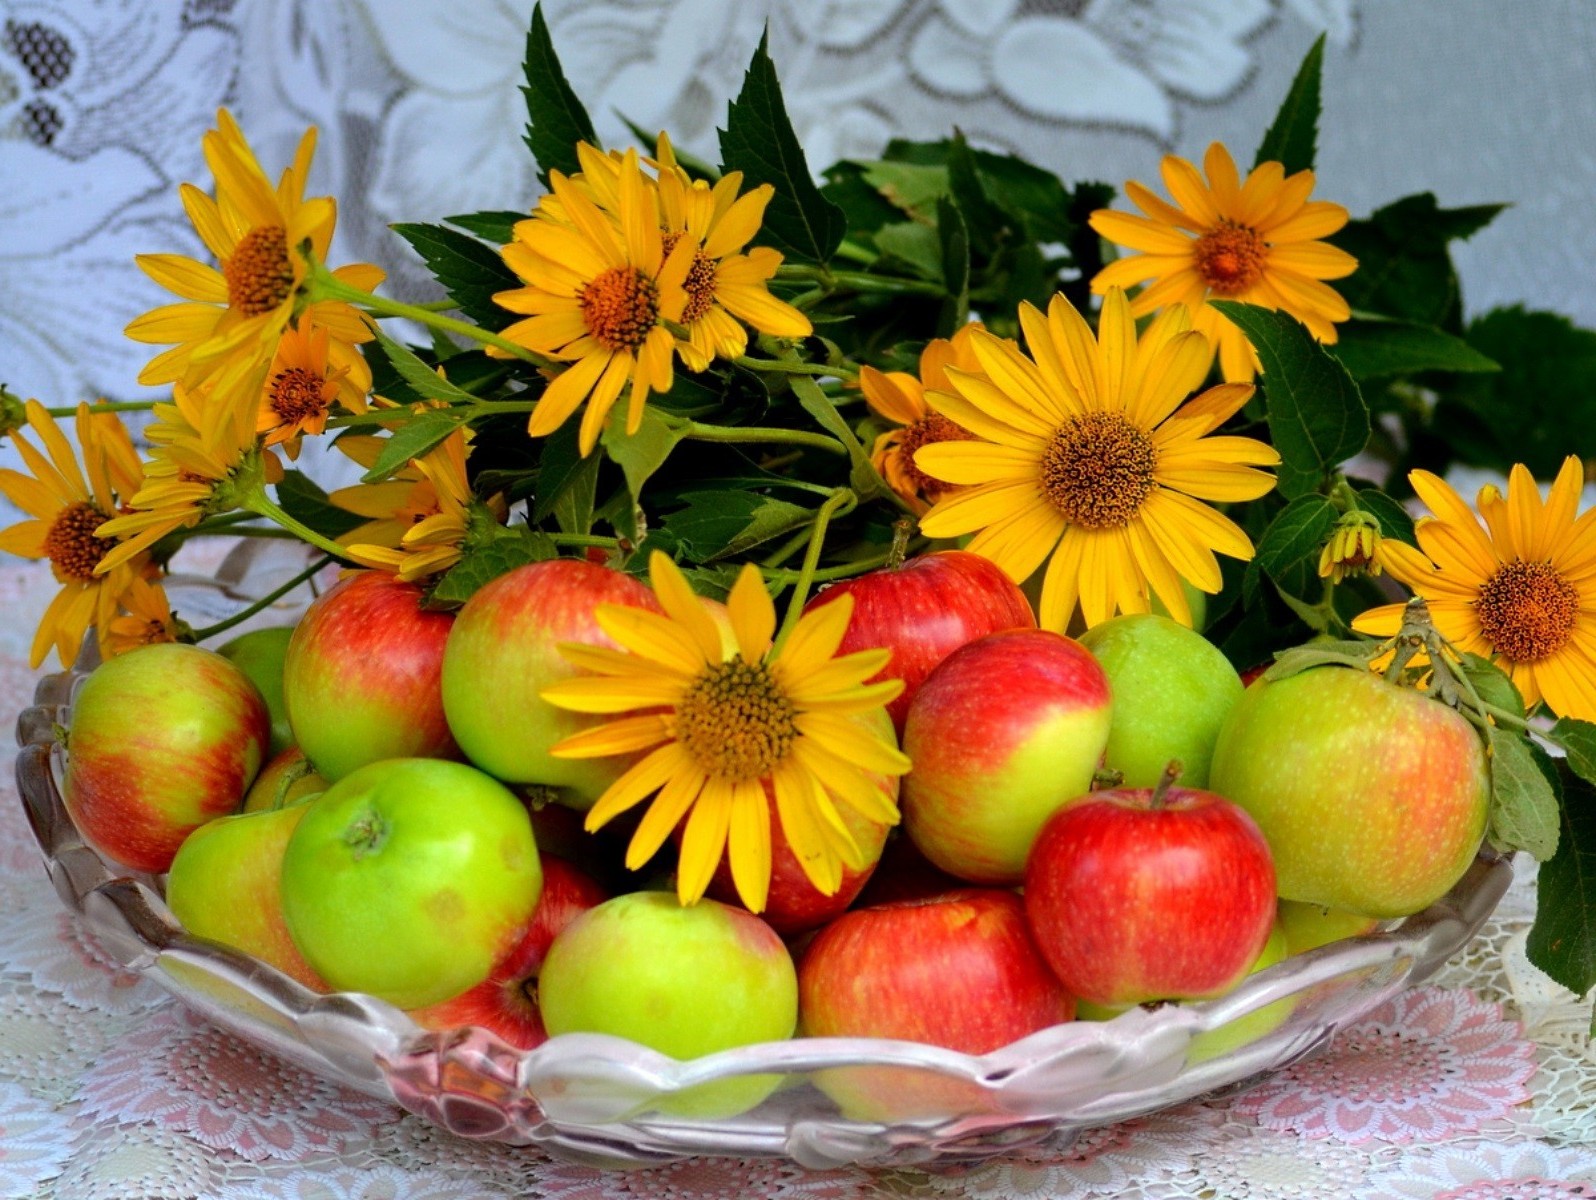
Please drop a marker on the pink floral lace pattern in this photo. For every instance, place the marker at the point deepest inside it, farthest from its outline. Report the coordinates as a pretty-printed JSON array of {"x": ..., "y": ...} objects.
[
  {"x": 34, "y": 1142},
  {"x": 59, "y": 956},
  {"x": 1428, "y": 1064},
  {"x": 179, "y": 1072}
]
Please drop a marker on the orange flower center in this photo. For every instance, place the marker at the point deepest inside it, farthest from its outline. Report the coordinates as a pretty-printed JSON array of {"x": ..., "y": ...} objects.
[
  {"x": 736, "y": 721},
  {"x": 700, "y": 282},
  {"x": 620, "y": 307},
  {"x": 298, "y": 395},
  {"x": 1230, "y": 259},
  {"x": 260, "y": 277},
  {"x": 933, "y": 427},
  {"x": 71, "y": 546},
  {"x": 1527, "y": 611},
  {"x": 1098, "y": 470}
]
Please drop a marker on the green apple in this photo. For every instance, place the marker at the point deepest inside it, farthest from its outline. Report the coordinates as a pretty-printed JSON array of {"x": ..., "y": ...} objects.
[
  {"x": 409, "y": 878},
  {"x": 287, "y": 779},
  {"x": 225, "y": 885},
  {"x": 1309, "y": 926},
  {"x": 1249, "y": 1028},
  {"x": 685, "y": 981},
  {"x": 1172, "y": 690},
  {"x": 259, "y": 654}
]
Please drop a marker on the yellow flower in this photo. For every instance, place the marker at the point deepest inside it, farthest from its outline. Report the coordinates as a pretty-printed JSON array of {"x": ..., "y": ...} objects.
[
  {"x": 433, "y": 541},
  {"x": 67, "y": 507},
  {"x": 1087, "y": 454},
  {"x": 598, "y": 291},
  {"x": 1256, "y": 242},
  {"x": 203, "y": 443},
  {"x": 1355, "y": 547},
  {"x": 147, "y": 621},
  {"x": 900, "y": 397},
  {"x": 233, "y": 316},
  {"x": 1521, "y": 590},
  {"x": 301, "y": 386},
  {"x": 721, "y": 727}
]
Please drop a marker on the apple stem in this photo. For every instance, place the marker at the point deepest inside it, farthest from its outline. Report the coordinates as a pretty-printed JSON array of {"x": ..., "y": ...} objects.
[
  {"x": 901, "y": 529},
  {"x": 366, "y": 834},
  {"x": 1107, "y": 777},
  {"x": 1165, "y": 781}
]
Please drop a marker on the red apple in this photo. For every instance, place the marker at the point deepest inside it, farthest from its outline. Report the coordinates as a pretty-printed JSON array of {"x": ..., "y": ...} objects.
[
  {"x": 504, "y": 650},
  {"x": 506, "y": 1002},
  {"x": 905, "y": 874},
  {"x": 162, "y": 740},
  {"x": 1138, "y": 894},
  {"x": 1003, "y": 732},
  {"x": 1374, "y": 797},
  {"x": 925, "y": 610},
  {"x": 361, "y": 676}
]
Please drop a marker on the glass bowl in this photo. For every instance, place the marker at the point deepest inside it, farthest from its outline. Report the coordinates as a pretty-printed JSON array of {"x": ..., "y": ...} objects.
[{"x": 606, "y": 1101}]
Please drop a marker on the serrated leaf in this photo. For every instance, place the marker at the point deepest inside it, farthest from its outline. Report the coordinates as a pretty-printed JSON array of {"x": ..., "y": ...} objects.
[
  {"x": 1376, "y": 349},
  {"x": 1317, "y": 417},
  {"x": 1524, "y": 797},
  {"x": 1393, "y": 518},
  {"x": 717, "y": 525},
  {"x": 1562, "y": 942},
  {"x": 494, "y": 225},
  {"x": 1298, "y": 659},
  {"x": 915, "y": 244},
  {"x": 421, "y": 378},
  {"x": 1292, "y": 136},
  {"x": 642, "y": 453},
  {"x": 508, "y": 549},
  {"x": 914, "y": 188},
  {"x": 303, "y": 499},
  {"x": 470, "y": 271},
  {"x": 1289, "y": 548},
  {"x": 759, "y": 141},
  {"x": 1493, "y": 684},
  {"x": 1578, "y": 740},
  {"x": 955, "y": 244},
  {"x": 414, "y": 438},
  {"x": 556, "y": 118}
]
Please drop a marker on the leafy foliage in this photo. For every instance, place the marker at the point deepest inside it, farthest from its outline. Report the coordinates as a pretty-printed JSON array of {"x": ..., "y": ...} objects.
[
  {"x": 1293, "y": 136},
  {"x": 556, "y": 119}
]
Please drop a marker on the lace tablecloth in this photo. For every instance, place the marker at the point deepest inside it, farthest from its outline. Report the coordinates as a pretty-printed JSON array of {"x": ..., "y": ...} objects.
[{"x": 1481, "y": 1084}]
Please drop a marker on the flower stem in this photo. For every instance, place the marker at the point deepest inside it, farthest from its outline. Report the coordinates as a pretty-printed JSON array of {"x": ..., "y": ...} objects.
[
  {"x": 264, "y": 602},
  {"x": 859, "y": 281},
  {"x": 107, "y": 406},
  {"x": 583, "y": 539},
  {"x": 841, "y": 500},
  {"x": 696, "y": 431},
  {"x": 258, "y": 502},
  {"x": 793, "y": 367}
]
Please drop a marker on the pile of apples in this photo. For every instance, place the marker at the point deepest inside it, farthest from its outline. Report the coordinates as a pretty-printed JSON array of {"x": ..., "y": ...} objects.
[{"x": 412, "y": 837}]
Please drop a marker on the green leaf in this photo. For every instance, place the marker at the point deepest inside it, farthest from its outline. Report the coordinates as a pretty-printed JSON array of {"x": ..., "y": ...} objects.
[
  {"x": 425, "y": 381},
  {"x": 1298, "y": 659},
  {"x": 1393, "y": 518},
  {"x": 1404, "y": 266},
  {"x": 717, "y": 525},
  {"x": 494, "y": 225},
  {"x": 955, "y": 243},
  {"x": 864, "y": 208},
  {"x": 1562, "y": 942},
  {"x": 1317, "y": 417},
  {"x": 470, "y": 271},
  {"x": 1289, "y": 548},
  {"x": 759, "y": 141},
  {"x": 414, "y": 438},
  {"x": 642, "y": 453},
  {"x": 304, "y": 500},
  {"x": 915, "y": 244},
  {"x": 1375, "y": 349},
  {"x": 1493, "y": 684},
  {"x": 1290, "y": 140},
  {"x": 1578, "y": 740},
  {"x": 506, "y": 550},
  {"x": 556, "y": 119},
  {"x": 1036, "y": 196},
  {"x": 1540, "y": 407},
  {"x": 1524, "y": 796},
  {"x": 989, "y": 224},
  {"x": 913, "y": 187}
]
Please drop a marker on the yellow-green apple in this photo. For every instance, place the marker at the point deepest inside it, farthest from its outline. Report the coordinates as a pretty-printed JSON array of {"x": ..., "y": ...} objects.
[
  {"x": 1373, "y": 796},
  {"x": 1251, "y": 1026},
  {"x": 361, "y": 676},
  {"x": 685, "y": 981},
  {"x": 1309, "y": 926},
  {"x": 506, "y": 1002},
  {"x": 259, "y": 654},
  {"x": 958, "y": 970},
  {"x": 1001, "y": 733},
  {"x": 287, "y": 779},
  {"x": 225, "y": 885},
  {"x": 163, "y": 739},
  {"x": 1139, "y": 894},
  {"x": 1172, "y": 689},
  {"x": 504, "y": 650},
  {"x": 409, "y": 879},
  {"x": 923, "y": 611}
]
